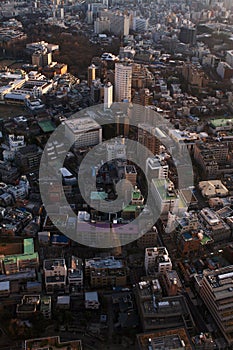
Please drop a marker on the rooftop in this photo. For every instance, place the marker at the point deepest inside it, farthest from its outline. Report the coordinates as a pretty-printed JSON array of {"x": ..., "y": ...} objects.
[
  {"x": 104, "y": 263},
  {"x": 46, "y": 126},
  {"x": 169, "y": 339},
  {"x": 83, "y": 124}
]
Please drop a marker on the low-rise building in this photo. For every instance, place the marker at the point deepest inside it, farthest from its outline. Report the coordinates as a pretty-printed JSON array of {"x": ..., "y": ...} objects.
[
  {"x": 55, "y": 274},
  {"x": 104, "y": 272},
  {"x": 157, "y": 260},
  {"x": 92, "y": 300},
  {"x": 158, "y": 312},
  {"x": 52, "y": 343}
]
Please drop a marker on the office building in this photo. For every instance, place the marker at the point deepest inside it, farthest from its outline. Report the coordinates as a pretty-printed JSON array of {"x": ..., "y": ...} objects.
[
  {"x": 171, "y": 339},
  {"x": 156, "y": 167},
  {"x": 119, "y": 24},
  {"x": 140, "y": 25},
  {"x": 166, "y": 197},
  {"x": 102, "y": 25},
  {"x": 188, "y": 35},
  {"x": 83, "y": 132},
  {"x": 123, "y": 81},
  {"x": 216, "y": 291},
  {"x": 158, "y": 312},
  {"x": 229, "y": 57}
]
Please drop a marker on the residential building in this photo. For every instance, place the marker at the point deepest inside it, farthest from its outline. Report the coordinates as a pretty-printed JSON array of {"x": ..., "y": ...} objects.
[
  {"x": 116, "y": 149},
  {"x": 157, "y": 259},
  {"x": 28, "y": 158},
  {"x": 104, "y": 272},
  {"x": 149, "y": 239},
  {"x": 149, "y": 137},
  {"x": 131, "y": 174},
  {"x": 108, "y": 95},
  {"x": 123, "y": 81},
  {"x": 91, "y": 74},
  {"x": 172, "y": 282},
  {"x": 55, "y": 274},
  {"x": 75, "y": 272},
  {"x": 46, "y": 306},
  {"x": 29, "y": 306}
]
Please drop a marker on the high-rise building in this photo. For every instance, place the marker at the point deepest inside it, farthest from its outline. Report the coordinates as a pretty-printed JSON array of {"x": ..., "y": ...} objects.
[
  {"x": 42, "y": 58},
  {"x": 119, "y": 24},
  {"x": 108, "y": 92},
  {"x": 123, "y": 81},
  {"x": 229, "y": 57},
  {"x": 147, "y": 137},
  {"x": 216, "y": 290},
  {"x": 101, "y": 25},
  {"x": 188, "y": 35},
  {"x": 91, "y": 74}
]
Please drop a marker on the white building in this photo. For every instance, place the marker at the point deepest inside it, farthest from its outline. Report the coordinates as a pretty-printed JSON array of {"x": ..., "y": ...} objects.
[
  {"x": 116, "y": 149},
  {"x": 108, "y": 95},
  {"x": 229, "y": 57},
  {"x": 55, "y": 274},
  {"x": 83, "y": 132},
  {"x": 123, "y": 82},
  {"x": 166, "y": 198},
  {"x": 16, "y": 142},
  {"x": 157, "y": 259},
  {"x": 156, "y": 167},
  {"x": 101, "y": 25}
]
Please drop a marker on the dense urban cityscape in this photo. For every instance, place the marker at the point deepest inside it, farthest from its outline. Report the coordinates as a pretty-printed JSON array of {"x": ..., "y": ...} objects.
[{"x": 116, "y": 174}]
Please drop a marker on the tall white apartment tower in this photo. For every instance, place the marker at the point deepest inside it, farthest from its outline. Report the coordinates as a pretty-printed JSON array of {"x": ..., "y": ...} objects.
[
  {"x": 123, "y": 81},
  {"x": 108, "y": 92}
]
